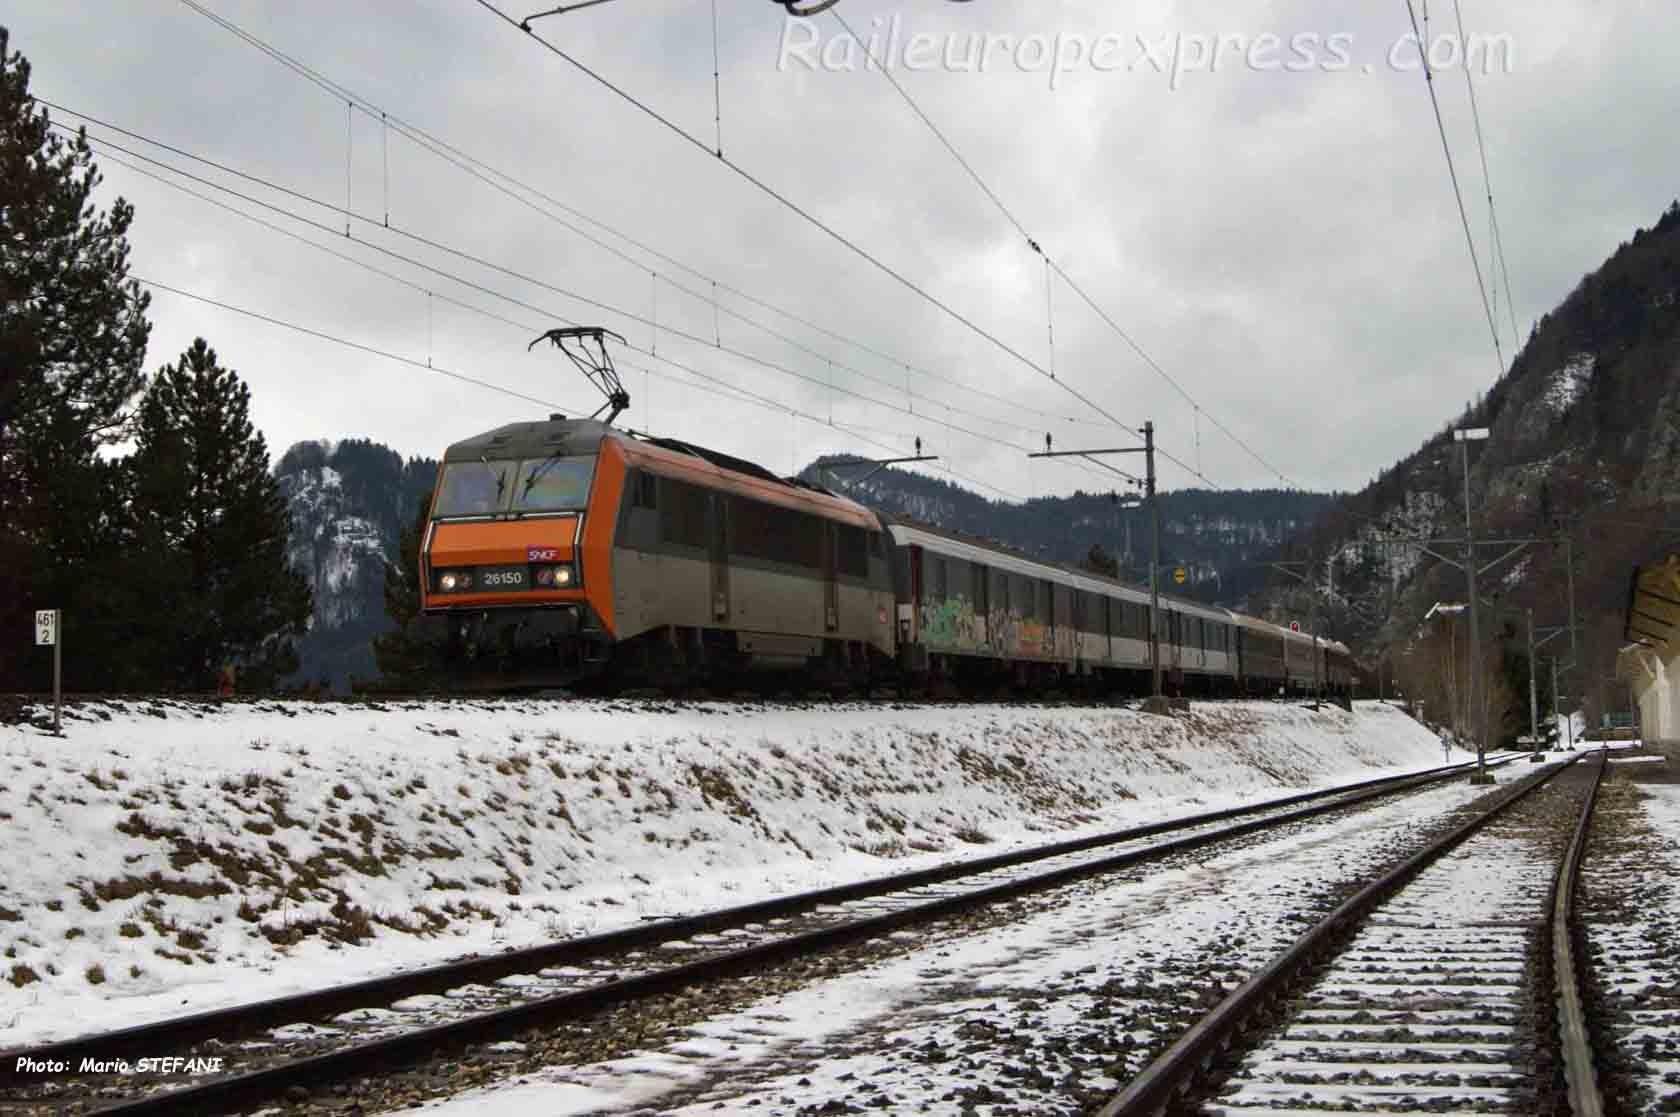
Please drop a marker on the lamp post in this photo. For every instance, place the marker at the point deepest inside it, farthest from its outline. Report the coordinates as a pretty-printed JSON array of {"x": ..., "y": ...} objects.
[{"x": 1465, "y": 436}]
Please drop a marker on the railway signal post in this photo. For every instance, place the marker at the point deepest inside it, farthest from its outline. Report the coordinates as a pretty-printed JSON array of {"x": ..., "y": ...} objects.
[
  {"x": 1157, "y": 703},
  {"x": 47, "y": 632}
]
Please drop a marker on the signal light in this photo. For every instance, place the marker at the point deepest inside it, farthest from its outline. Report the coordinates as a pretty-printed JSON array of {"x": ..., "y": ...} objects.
[{"x": 545, "y": 575}]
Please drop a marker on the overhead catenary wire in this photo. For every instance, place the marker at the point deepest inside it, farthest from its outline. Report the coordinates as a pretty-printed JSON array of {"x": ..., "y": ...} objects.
[
  {"x": 717, "y": 83},
  {"x": 322, "y": 335},
  {"x": 1458, "y": 193},
  {"x": 470, "y": 257},
  {"x": 1050, "y": 263},
  {"x": 512, "y": 187},
  {"x": 718, "y": 386},
  {"x": 788, "y": 203},
  {"x": 1487, "y": 179},
  {"x": 793, "y": 342},
  {"x": 386, "y": 354}
]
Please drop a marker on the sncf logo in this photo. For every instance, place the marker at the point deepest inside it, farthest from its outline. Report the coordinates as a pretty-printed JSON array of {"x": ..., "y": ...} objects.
[{"x": 542, "y": 554}]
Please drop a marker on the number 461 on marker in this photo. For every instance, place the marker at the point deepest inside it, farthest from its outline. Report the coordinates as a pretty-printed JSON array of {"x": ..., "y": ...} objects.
[{"x": 46, "y": 626}]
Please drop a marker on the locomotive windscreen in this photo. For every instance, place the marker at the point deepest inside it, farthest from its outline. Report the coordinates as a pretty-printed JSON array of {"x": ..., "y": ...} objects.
[
  {"x": 496, "y": 488},
  {"x": 555, "y": 485},
  {"x": 473, "y": 489}
]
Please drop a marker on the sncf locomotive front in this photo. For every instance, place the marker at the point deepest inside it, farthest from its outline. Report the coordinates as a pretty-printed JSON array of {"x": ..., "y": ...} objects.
[{"x": 515, "y": 562}]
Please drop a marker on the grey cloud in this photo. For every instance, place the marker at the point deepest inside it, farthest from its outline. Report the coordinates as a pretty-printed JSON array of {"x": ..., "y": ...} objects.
[{"x": 1284, "y": 244}]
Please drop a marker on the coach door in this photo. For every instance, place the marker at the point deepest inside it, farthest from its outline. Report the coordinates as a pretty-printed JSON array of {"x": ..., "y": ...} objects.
[
  {"x": 980, "y": 585},
  {"x": 719, "y": 545}
]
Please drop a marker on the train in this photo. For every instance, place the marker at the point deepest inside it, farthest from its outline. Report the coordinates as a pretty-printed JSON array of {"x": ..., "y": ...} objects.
[{"x": 566, "y": 552}]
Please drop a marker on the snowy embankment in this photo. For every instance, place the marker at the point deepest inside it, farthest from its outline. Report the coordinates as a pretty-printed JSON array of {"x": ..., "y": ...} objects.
[{"x": 165, "y": 856}]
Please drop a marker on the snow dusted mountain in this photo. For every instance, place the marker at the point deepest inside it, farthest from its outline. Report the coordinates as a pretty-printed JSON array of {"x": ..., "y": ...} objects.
[
  {"x": 1584, "y": 445},
  {"x": 349, "y": 502}
]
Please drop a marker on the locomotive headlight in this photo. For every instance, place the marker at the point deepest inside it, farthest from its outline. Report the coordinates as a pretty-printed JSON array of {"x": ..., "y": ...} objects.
[
  {"x": 563, "y": 576},
  {"x": 452, "y": 581},
  {"x": 545, "y": 575}
]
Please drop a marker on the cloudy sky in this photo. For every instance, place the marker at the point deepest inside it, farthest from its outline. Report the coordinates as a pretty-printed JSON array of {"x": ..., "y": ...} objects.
[{"x": 1270, "y": 220}]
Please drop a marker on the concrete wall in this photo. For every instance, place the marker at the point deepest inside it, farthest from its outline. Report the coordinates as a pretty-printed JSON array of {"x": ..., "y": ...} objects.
[{"x": 1656, "y": 686}]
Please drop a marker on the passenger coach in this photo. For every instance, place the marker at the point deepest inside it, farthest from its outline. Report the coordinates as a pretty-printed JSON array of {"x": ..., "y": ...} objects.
[{"x": 973, "y": 611}]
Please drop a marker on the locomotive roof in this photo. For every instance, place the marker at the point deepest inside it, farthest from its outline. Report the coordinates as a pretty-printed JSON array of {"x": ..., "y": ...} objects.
[
  {"x": 559, "y": 435},
  {"x": 580, "y": 436},
  {"x": 536, "y": 439}
]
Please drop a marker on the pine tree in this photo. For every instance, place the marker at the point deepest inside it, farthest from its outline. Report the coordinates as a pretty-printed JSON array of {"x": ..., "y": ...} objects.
[
  {"x": 1098, "y": 561},
  {"x": 404, "y": 656},
  {"x": 72, "y": 341},
  {"x": 212, "y": 530}
]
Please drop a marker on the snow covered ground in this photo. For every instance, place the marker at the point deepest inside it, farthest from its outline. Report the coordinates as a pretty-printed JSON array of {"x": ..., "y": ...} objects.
[
  {"x": 1040, "y": 1015},
  {"x": 168, "y": 857}
]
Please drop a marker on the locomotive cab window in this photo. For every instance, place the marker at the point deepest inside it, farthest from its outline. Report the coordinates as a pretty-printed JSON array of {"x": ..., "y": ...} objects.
[
  {"x": 473, "y": 489},
  {"x": 554, "y": 484}
]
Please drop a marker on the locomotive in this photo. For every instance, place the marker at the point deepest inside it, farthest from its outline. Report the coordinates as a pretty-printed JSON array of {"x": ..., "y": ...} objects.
[{"x": 563, "y": 551}]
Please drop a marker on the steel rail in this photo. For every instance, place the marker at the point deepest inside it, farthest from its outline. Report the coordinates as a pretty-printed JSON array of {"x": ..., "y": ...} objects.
[
  {"x": 233, "y": 1092},
  {"x": 1574, "y": 1036},
  {"x": 1158, "y": 1085},
  {"x": 240, "y": 1021}
]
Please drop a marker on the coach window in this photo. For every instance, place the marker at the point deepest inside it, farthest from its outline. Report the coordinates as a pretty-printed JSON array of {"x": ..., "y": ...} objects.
[{"x": 1025, "y": 593}]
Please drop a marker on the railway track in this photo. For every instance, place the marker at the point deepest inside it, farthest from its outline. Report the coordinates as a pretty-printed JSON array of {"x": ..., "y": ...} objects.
[
  {"x": 1449, "y": 985},
  {"x": 303, "y": 1042}
]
